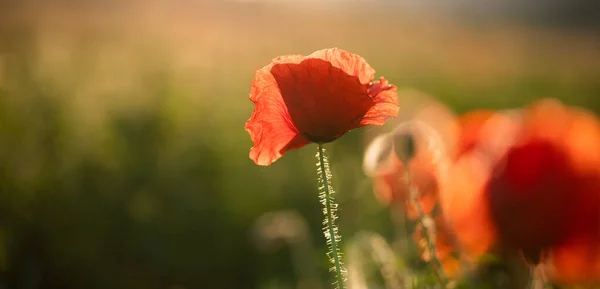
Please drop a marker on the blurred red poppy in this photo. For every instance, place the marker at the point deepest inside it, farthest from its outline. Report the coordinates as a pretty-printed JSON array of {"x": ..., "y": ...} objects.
[
  {"x": 419, "y": 138},
  {"x": 546, "y": 195},
  {"x": 483, "y": 137},
  {"x": 417, "y": 146},
  {"x": 390, "y": 182},
  {"x": 530, "y": 184},
  {"x": 316, "y": 98}
]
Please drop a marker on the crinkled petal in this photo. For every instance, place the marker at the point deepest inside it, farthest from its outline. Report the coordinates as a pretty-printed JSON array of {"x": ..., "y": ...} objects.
[
  {"x": 350, "y": 63},
  {"x": 270, "y": 126},
  {"x": 386, "y": 107}
]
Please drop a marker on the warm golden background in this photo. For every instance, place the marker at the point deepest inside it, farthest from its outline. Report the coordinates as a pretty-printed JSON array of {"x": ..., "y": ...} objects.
[{"x": 123, "y": 158}]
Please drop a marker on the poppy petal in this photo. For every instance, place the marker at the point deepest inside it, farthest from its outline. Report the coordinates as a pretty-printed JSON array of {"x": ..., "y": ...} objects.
[
  {"x": 464, "y": 205},
  {"x": 350, "y": 63},
  {"x": 577, "y": 261},
  {"x": 583, "y": 143},
  {"x": 323, "y": 101},
  {"x": 386, "y": 107},
  {"x": 270, "y": 126}
]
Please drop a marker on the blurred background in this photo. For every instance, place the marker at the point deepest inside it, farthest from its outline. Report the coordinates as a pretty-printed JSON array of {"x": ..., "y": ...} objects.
[{"x": 123, "y": 157}]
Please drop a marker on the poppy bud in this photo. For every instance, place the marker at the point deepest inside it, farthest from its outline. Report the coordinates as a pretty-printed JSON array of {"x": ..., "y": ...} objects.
[{"x": 404, "y": 146}]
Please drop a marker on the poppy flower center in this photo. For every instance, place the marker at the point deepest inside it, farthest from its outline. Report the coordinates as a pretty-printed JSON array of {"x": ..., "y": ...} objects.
[{"x": 379, "y": 86}]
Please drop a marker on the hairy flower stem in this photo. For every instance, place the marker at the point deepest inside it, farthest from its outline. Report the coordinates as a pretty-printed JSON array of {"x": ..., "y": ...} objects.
[
  {"x": 540, "y": 280},
  {"x": 329, "y": 210},
  {"x": 429, "y": 239}
]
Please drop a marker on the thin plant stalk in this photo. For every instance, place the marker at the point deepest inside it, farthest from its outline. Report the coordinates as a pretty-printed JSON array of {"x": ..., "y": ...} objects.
[
  {"x": 423, "y": 220},
  {"x": 330, "y": 230},
  {"x": 378, "y": 251},
  {"x": 540, "y": 280}
]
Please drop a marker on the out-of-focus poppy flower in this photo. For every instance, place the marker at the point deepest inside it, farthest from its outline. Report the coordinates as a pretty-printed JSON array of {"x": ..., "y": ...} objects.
[
  {"x": 533, "y": 186},
  {"x": 316, "y": 98},
  {"x": 462, "y": 195},
  {"x": 546, "y": 197},
  {"x": 390, "y": 177},
  {"x": 417, "y": 146},
  {"x": 420, "y": 137}
]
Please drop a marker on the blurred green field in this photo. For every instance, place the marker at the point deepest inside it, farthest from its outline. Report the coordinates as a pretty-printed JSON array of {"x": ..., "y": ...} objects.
[{"x": 123, "y": 158}]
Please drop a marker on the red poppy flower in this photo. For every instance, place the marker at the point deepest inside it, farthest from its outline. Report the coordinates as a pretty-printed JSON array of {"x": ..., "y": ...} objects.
[
  {"x": 538, "y": 193},
  {"x": 482, "y": 139},
  {"x": 546, "y": 197},
  {"x": 316, "y": 98}
]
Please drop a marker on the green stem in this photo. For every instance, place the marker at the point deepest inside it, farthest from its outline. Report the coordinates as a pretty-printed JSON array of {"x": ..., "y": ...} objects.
[
  {"x": 414, "y": 198},
  {"x": 329, "y": 210},
  {"x": 538, "y": 275}
]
